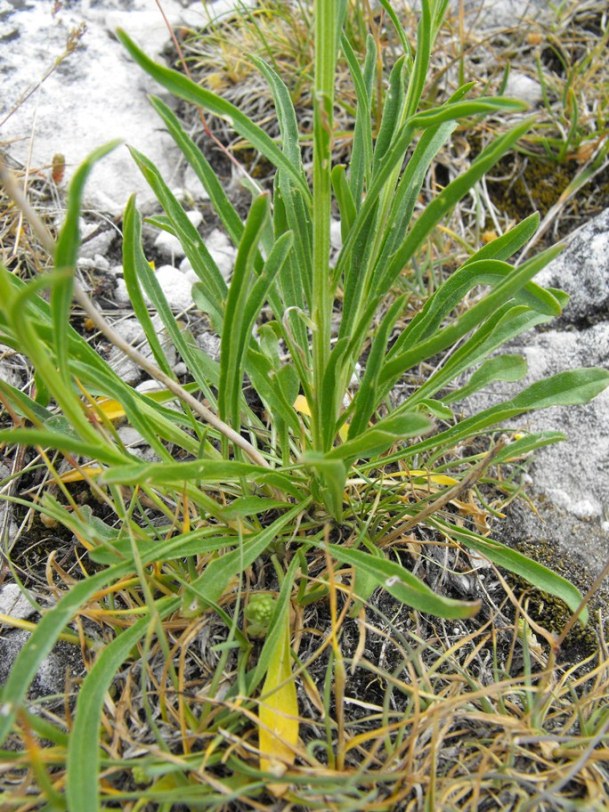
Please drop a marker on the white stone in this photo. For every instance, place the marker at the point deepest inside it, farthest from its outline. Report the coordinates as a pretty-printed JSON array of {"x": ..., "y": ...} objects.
[
  {"x": 97, "y": 245},
  {"x": 222, "y": 252},
  {"x": 121, "y": 294},
  {"x": 170, "y": 246},
  {"x": 336, "y": 237},
  {"x": 133, "y": 332},
  {"x": 14, "y": 603},
  {"x": 9, "y": 371},
  {"x": 101, "y": 263},
  {"x": 149, "y": 385},
  {"x": 210, "y": 344},
  {"x": 522, "y": 87},
  {"x": 583, "y": 271},
  {"x": 193, "y": 186},
  {"x": 130, "y": 437},
  {"x": 176, "y": 287},
  {"x": 97, "y": 93}
]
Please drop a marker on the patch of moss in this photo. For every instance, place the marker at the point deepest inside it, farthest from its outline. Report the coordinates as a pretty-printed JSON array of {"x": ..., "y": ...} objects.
[
  {"x": 550, "y": 612},
  {"x": 537, "y": 186}
]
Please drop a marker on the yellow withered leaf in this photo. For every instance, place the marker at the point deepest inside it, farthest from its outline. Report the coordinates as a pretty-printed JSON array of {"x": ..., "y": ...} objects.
[
  {"x": 301, "y": 405},
  {"x": 278, "y": 712},
  {"x": 112, "y": 409},
  {"x": 78, "y": 474},
  {"x": 437, "y": 479}
]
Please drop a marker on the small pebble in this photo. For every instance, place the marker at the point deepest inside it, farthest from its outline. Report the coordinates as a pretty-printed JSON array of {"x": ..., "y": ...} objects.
[
  {"x": 222, "y": 252},
  {"x": 97, "y": 245},
  {"x": 522, "y": 87},
  {"x": 14, "y": 603},
  {"x": 176, "y": 287},
  {"x": 170, "y": 246}
]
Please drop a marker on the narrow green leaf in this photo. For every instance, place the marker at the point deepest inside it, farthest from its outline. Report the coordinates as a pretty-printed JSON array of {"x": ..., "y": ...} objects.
[
  {"x": 366, "y": 401},
  {"x": 513, "y": 561},
  {"x": 218, "y": 197},
  {"x": 66, "y": 254},
  {"x": 572, "y": 388},
  {"x": 219, "y": 573},
  {"x": 63, "y": 442},
  {"x": 236, "y": 333},
  {"x": 500, "y": 368},
  {"x": 525, "y": 445},
  {"x": 402, "y": 584},
  {"x": 133, "y": 262},
  {"x": 381, "y": 436},
  {"x": 84, "y": 755},
  {"x": 184, "y": 88},
  {"x": 332, "y": 475},
  {"x": 447, "y": 199},
  {"x": 48, "y": 629},
  {"x": 485, "y": 308},
  {"x": 194, "y": 246}
]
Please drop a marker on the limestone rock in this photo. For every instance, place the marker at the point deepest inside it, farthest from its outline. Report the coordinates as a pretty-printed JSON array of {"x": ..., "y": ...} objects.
[
  {"x": 569, "y": 481},
  {"x": 14, "y": 603},
  {"x": 170, "y": 246},
  {"x": 95, "y": 95},
  {"x": 582, "y": 270},
  {"x": 522, "y": 87},
  {"x": 133, "y": 332}
]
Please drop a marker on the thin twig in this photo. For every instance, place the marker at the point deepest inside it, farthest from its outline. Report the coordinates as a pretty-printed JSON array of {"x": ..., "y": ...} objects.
[
  {"x": 476, "y": 472},
  {"x": 596, "y": 585},
  {"x": 81, "y": 297}
]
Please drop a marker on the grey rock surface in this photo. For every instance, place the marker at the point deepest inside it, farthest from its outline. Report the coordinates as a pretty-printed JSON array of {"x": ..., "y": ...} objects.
[
  {"x": 64, "y": 660},
  {"x": 582, "y": 271},
  {"x": 569, "y": 481},
  {"x": 14, "y": 603},
  {"x": 96, "y": 94}
]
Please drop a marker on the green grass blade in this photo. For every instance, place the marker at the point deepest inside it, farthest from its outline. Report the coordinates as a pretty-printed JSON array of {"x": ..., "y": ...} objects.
[
  {"x": 402, "y": 584},
  {"x": 202, "y": 168},
  {"x": 536, "y": 574},
  {"x": 509, "y": 322},
  {"x": 393, "y": 109},
  {"x": 83, "y": 762},
  {"x": 328, "y": 25},
  {"x": 360, "y": 165},
  {"x": 190, "y": 239},
  {"x": 381, "y": 436},
  {"x": 451, "y": 293},
  {"x": 221, "y": 571},
  {"x": 500, "y": 368},
  {"x": 63, "y": 442},
  {"x": 366, "y": 400},
  {"x": 241, "y": 335},
  {"x": 573, "y": 388},
  {"x": 286, "y": 115},
  {"x": 66, "y": 254},
  {"x": 48, "y": 629},
  {"x": 182, "y": 87},
  {"x": 485, "y": 308},
  {"x": 445, "y": 201},
  {"x": 133, "y": 262},
  {"x": 506, "y": 245},
  {"x": 234, "y": 340}
]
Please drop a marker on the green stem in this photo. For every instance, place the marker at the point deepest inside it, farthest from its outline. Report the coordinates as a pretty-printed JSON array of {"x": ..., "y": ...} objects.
[{"x": 325, "y": 21}]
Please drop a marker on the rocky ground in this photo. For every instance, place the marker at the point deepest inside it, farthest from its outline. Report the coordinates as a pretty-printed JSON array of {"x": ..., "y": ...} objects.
[{"x": 95, "y": 94}]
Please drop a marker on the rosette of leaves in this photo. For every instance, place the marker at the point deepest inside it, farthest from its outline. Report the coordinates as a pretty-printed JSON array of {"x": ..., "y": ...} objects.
[{"x": 245, "y": 480}]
